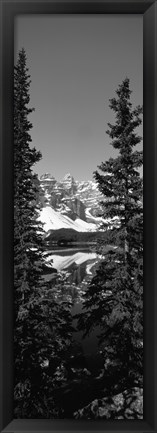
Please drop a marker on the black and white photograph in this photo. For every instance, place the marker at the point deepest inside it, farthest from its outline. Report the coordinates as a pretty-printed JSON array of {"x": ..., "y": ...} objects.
[{"x": 78, "y": 217}]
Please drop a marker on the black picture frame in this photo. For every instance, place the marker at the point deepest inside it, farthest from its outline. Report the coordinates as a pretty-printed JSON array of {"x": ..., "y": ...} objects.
[{"x": 8, "y": 11}]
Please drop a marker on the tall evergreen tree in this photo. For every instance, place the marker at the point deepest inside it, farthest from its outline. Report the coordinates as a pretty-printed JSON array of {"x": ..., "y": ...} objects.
[
  {"x": 42, "y": 325},
  {"x": 27, "y": 240},
  {"x": 113, "y": 300}
]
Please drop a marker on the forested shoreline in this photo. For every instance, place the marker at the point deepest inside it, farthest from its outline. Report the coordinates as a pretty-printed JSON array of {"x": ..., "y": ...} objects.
[{"x": 48, "y": 382}]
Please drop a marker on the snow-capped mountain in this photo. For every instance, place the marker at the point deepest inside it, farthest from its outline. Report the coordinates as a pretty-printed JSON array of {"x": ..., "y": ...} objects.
[
  {"x": 54, "y": 220},
  {"x": 69, "y": 203}
]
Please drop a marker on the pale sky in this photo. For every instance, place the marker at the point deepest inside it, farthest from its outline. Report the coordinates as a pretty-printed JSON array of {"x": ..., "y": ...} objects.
[{"x": 76, "y": 63}]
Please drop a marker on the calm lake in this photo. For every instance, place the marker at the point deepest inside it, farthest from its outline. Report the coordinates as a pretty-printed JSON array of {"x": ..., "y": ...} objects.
[{"x": 78, "y": 265}]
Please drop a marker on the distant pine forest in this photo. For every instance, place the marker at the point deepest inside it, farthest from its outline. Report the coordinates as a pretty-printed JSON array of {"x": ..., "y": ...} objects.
[{"x": 70, "y": 236}]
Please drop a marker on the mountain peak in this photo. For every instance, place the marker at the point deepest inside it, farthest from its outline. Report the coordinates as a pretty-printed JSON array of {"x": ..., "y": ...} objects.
[
  {"x": 68, "y": 176},
  {"x": 47, "y": 176},
  {"x": 72, "y": 198}
]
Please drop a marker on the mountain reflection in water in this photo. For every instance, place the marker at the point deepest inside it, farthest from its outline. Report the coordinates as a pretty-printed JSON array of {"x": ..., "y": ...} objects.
[
  {"x": 78, "y": 266},
  {"x": 78, "y": 263}
]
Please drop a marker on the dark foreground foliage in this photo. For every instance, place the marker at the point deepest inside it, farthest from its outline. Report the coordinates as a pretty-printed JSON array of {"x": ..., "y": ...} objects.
[
  {"x": 42, "y": 322},
  {"x": 114, "y": 299}
]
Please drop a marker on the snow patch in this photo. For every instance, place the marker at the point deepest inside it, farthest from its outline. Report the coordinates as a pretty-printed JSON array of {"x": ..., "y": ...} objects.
[{"x": 53, "y": 220}]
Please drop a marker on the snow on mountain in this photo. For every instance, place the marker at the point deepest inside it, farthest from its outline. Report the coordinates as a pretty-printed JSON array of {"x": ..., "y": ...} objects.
[
  {"x": 71, "y": 204},
  {"x": 74, "y": 199},
  {"x": 89, "y": 194},
  {"x": 85, "y": 226},
  {"x": 53, "y": 220},
  {"x": 92, "y": 217}
]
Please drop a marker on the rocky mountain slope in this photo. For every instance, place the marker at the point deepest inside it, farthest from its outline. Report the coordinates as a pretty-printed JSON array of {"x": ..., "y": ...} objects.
[{"x": 69, "y": 203}]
